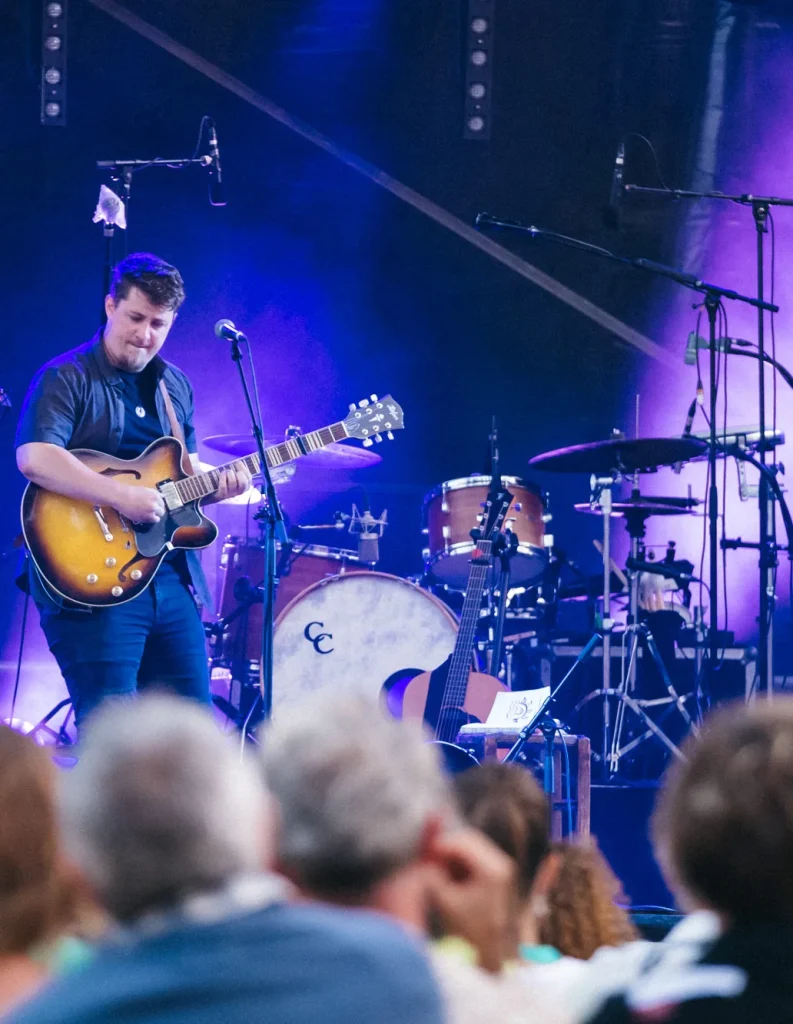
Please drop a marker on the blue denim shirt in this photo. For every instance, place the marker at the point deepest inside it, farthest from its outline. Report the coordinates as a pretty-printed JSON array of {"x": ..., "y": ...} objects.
[{"x": 75, "y": 401}]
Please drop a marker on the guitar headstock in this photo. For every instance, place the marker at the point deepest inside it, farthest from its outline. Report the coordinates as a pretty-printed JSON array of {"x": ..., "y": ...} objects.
[
  {"x": 494, "y": 514},
  {"x": 372, "y": 417}
]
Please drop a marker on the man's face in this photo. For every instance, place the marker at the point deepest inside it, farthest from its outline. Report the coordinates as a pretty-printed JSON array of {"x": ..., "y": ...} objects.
[{"x": 135, "y": 330}]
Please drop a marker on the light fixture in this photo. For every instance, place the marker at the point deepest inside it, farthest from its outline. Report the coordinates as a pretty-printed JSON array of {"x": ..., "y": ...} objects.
[
  {"x": 477, "y": 115},
  {"x": 53, "y": 62}
]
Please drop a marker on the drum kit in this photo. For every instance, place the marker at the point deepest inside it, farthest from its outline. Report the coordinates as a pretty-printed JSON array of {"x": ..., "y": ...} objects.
[{"x": 341, "y": 625}]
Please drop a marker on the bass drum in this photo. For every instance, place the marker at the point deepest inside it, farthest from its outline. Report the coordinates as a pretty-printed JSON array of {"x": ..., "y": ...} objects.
[{"x": 361, "y": 633}]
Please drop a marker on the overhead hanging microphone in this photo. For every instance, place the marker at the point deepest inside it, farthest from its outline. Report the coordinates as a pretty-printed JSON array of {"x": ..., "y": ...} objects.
[
  {"x": 217, "y": 192},
  {"x": 612, "y": 214}
]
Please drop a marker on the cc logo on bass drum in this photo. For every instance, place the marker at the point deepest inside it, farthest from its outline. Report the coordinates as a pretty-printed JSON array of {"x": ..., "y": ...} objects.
[{"x": 317, "y": 638}]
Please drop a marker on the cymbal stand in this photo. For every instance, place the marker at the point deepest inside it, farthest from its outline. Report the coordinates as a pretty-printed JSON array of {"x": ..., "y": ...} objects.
[
  {"x": 635, "y": 632},
  {"x": 601, "y": 495}
]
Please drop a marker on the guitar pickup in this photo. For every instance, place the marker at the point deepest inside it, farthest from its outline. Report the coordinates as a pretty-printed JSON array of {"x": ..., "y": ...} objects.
[
  {"x": 103, "y": 525},
  {"x": 170, "y": 495}
]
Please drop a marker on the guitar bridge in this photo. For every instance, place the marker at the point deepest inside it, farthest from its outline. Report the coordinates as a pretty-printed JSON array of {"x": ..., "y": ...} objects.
[{"x": 103, "y": 524}]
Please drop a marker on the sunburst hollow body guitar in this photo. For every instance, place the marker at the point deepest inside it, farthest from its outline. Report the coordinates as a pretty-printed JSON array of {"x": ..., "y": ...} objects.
[{"x": 93, "y": 556}]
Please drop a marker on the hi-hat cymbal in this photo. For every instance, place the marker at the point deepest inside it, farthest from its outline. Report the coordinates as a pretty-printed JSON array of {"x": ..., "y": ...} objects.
[
  {"x": 639, "y": 505},
  {"x": 333, "y": 456},
  {"x": 639, "y": 455}
]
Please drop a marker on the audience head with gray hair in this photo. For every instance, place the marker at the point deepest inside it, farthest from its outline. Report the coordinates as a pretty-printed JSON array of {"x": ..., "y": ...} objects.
[
  {"x": 160, "y": 808},
  {"x": 356, "y": 792},
  {"x": 172, "y": 833}
]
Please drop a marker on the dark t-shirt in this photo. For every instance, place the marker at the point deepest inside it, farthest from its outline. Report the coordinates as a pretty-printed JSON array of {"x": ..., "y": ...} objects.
[
  {"x": 142, "y": 428},
  {"x": 141, "y": 422}
]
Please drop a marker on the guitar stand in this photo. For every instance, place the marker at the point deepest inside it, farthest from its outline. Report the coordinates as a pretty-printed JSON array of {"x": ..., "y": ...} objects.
[{"x": 61, "y": 736}]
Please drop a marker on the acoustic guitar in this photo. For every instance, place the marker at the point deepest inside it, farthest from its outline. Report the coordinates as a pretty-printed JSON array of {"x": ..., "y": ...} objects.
[
  {"x": 93, "y": 556},
  {"x": 452, "y": 695}
]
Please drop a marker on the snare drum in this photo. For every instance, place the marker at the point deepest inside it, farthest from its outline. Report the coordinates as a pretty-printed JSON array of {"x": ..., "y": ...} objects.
[
  {"x": 305, "y": 565},
  {"x": 354, "y": 633},
  {"x": 450, "y": 513}
]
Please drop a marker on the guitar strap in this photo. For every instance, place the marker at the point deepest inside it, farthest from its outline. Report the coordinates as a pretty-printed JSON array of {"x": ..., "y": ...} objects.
[{"x": 176, "y": 426}]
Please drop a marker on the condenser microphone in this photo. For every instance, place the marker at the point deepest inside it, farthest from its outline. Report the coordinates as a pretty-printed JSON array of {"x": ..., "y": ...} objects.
[
  {"x": 692, "y": 411},
  {"x": 217, "y": 193},
  {"x": 612, "y": 214},
  {"x": 225, "y": 329}
]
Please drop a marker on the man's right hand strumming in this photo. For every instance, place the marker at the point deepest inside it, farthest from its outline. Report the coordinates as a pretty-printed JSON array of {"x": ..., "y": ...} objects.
[{"x": 140, "y": 505}]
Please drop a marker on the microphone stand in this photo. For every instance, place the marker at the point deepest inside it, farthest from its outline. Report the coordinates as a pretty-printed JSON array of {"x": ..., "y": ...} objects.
[
  {"x": 272, "y": 518},
  {"x": 121, "y": 172},
  {"x": 761, "y": 206},
  {"x": 713, "y": 296}
]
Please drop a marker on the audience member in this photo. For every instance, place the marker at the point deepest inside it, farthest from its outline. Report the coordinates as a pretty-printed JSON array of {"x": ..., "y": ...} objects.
[
  {"x": 172, "y": 833},
  {"x": 724, "y": 834},
  {"x": 563, "y": 899},
  {"x": 367, "y": 819},
  {"x": 38, "y": 898},
  {"x": 583, "y": 903}
]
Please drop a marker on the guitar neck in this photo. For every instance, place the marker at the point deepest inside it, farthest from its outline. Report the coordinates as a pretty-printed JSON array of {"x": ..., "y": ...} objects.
[
  {"x": 201, "y": 485},
  {"x": 460, "y": 664}
]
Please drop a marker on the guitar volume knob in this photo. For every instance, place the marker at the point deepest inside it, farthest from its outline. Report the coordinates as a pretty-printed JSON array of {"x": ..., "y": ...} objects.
[
  {"x": 136, "y": 574},
  {"x": 91, "y": 578},
  {"x": 117, "y": 591}
]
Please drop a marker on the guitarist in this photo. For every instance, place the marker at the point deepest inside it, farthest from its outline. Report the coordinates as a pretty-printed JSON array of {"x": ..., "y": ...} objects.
[{"x": 116, "y": 394}]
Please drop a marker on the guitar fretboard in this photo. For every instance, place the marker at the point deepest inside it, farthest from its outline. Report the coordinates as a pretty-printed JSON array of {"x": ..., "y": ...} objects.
[
  {"x": 201, "y": 485},
  {"x": 460, "y": 664}
]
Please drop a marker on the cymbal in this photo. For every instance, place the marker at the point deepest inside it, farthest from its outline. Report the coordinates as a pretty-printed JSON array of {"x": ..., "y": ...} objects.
[
  {"x": 639, "y": 455},
  {"x": 622, "y": 509},
  {"x": 336, "y": 455},
  {"x": 638, "y": 504}
]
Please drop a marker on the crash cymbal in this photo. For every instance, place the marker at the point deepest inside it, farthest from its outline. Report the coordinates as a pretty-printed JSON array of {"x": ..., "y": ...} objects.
[
  {"x": 238, "y": 445},
  {"x": 639, "y": 455},
  {"x": 336, "y": 455},
  {"x": 638, "y": 504}
]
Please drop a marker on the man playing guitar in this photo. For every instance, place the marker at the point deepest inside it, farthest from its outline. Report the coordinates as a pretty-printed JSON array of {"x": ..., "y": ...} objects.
[{"x": 116, "y": 394}]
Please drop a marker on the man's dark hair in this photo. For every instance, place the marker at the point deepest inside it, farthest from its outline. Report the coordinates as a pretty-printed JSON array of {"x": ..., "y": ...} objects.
[
  {"x": 724, "y": 822},
  {"x": 161, "y": 283}
]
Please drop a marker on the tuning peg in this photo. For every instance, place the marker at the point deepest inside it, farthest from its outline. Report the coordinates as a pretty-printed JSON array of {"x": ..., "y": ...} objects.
[
  {"x": 363, "y": 403},
  {"x": 390, "y": 435},
  {"x": 372, "y": 398},
  {"x": 367, "y": 443},
  {"x": 378, "y": 438},
  {"x": 353, "y": 406}
]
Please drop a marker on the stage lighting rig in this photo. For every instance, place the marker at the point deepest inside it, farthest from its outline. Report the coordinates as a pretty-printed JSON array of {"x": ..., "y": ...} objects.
[
  {"x": 478, "y": 69},
  {"x": 53, "y": 63}
]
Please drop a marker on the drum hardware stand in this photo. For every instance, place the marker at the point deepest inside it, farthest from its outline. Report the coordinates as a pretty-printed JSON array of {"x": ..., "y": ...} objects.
[
  {"x": 714, "y": 294},
  {"x": 504, "y": 547},
  {"x": 637, "y": 631}
]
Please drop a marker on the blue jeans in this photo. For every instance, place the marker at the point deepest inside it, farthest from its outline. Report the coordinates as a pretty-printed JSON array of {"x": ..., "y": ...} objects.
[{"x": 155, "y": 640}]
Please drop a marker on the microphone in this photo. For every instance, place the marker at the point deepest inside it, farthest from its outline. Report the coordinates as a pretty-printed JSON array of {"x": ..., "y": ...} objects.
[
  {"x": 369, "y": 531},
  {"x": 692, "y": 411},
  {"x": 225, "y": 329},
  {"x": 217, "y": 193},
  {"x": 612, "y": 213}
]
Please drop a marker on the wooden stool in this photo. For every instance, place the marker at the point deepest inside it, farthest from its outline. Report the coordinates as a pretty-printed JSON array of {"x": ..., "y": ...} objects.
[{"x": 491, "y": 743}]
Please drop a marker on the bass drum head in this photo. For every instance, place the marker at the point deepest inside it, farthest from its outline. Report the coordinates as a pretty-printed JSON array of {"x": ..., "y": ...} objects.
[{"x": 350, "y": 634}]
